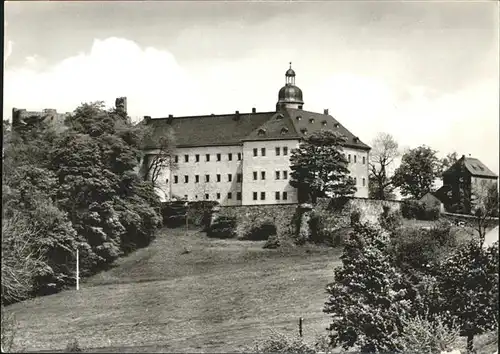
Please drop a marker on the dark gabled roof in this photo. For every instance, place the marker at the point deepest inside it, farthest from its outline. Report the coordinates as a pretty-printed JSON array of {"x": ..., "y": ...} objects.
[
  {"x": 233, "y": 129},
  {"x": 210, "y": 130},
  {"x": 312, "y": 122},
  {"x": 475, "y": 167}
]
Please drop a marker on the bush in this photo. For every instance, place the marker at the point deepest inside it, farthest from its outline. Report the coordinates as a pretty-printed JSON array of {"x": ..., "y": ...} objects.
[
  {"x": 200, "y": 212},
  {"x": 390, "y": 220},
  {"x": 412, "y": 209},
  {"x": 8, "y": 329},
  {"x": 355, "y": 217},
  {"x": 223, "y": 227},
  {"x": 261, "y": 231},
  {"x": 324, "y": 230},
  {"x": 419, "y": 248},
  {"x": 421, "y": 335},
  {"x": 73, "y": 347},
  {"x": 280, "y": 343}
]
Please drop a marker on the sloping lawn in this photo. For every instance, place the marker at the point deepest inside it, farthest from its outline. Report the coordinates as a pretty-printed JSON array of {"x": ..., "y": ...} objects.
[{"x": 186, "y": 293}]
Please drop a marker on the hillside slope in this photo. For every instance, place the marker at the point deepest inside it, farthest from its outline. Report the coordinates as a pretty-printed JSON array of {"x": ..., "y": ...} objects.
[{"x": 220, "y": 295}]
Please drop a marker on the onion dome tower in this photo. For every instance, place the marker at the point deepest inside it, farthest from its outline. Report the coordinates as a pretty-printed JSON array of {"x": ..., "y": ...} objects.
[{"x": 290, "y": 96}]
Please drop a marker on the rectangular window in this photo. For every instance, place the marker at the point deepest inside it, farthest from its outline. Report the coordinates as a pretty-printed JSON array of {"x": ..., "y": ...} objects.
[
  {"x": 254, "y": 195},
  {"x": 277, "y": 151},
  {"x": 263, "y": 151},
  {"x": 355, "y": 181},
  {"x": 263, "y": 175},
  {"x": 206, "y": 196},
  {"x": 230, "y": 157},
  {"x": 176, "y": 179},
  {"x": 364, "y": 160},
  {"x": 255, "y": 152},
  {"x": 207, "y": 178},
  {"x": 254, "y": 175},
  {"x": 262, "y": 195},
  {"x": 277, "y": 175},
  {"x": 364, "y": 181},
  {"x": 197, "y": 179},
  {"x": 285, "y": 174},
  {"x": 218, "y": 195},
  {"x": 218, "y": 157},
  {"x": 239, "y": 156},
  {"x": 349, "y": 158},
  {"x": 239, "y": 177},
  {"x": 218, "y": 178},
  {"x": 285, "y": 195},
  {"x": 185, "y": 196},
  {"x": 238, "y": 195},
  {"x": 186, "y": 158},
  {"x": 277, "y": 195},
  {"x": 197, "y": 157},
  {"x": 355, "y": 156},
  {"x": 176, "y": 158},
  {"x": 229, "y": 195},
  {"x": 229, "y": 177},
  {"x": 207, "y": 157},
  {"x": 285, "y": 150},
  {"x": 186, "y": 179}
]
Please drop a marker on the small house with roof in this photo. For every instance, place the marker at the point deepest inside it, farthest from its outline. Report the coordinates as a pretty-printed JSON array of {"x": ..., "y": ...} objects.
[
  {"x": 244, "y": 158},
  {"x": 461, "y": 181}
]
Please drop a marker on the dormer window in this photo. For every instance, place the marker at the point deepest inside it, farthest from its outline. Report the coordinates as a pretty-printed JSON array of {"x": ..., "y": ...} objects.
[
  {"x": 299, "y": 117},
  {"x": 284, "y": 130},
  {"x": 280, "y": 116},
  {"x": 323, "y": 123},
  {"x": 355, "y": 139},
  {"x": 311, "y": 121},
  {"x": 262, "y": 132},
  {"x": 304, "y": 131},
  {"x": 337, "y": 125}
]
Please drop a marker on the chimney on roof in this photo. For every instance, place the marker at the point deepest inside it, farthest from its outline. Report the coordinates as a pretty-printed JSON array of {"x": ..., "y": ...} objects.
[
  {"x": 325, "y": 111},
  {"x": 147, "y": 118},
  {"x": 237, "y": 115},
  {"x": 170, "y": 118},
  {"x": 254, "y": 110}
]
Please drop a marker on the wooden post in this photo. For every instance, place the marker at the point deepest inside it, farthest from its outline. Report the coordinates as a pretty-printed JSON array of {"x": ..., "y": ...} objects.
[
  {"x": 77, "y": 270},
  {"x": 300, "y": 326}
]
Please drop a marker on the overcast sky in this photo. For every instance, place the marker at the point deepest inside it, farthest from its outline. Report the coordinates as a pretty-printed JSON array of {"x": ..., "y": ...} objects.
[{"x": 426, "y": 72}]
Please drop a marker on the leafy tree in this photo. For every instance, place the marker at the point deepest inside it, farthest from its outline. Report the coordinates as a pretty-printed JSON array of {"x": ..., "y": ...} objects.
[
  {"x": 368, "y": 299},
  {"x": 469, "y": 284},
  {"x": 417, "y": 172},
  {"x": 384, "y": 151},
  {"x": 319, "y": 167},
  {"x": 484, "y": 205},
  {"x": 446, "y": 162}
]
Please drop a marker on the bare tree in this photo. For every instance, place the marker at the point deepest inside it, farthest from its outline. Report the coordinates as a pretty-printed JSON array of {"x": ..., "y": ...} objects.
[
  {"x": 484, "y": 200},
  {"x": 384, "y": 151},
  {"x": 159, "y": 158}
]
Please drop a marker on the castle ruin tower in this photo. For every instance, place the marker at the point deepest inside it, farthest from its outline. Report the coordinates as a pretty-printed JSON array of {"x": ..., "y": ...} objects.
[{"x": 290, "y": 96}]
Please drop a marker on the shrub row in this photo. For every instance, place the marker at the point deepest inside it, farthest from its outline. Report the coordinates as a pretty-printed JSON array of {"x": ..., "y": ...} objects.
[{"x": 412, "y": 209}]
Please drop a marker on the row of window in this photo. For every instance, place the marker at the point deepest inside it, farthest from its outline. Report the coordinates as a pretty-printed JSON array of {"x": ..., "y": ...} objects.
[
  {"x": 218, "y": 157},
  {"x": 277, "y": 175},
  {"x": 355, "y": 159},
  {"x": 278, "y": 151},
  {"x": 218, "y": 178},
  {"x": 277, "y": 195}
]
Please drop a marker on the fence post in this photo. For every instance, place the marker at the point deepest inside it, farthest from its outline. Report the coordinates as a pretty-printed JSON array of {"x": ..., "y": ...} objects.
[{"x": 300, "y": 327}]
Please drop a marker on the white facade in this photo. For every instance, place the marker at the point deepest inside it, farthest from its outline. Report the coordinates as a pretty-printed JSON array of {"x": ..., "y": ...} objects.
[
  {"x": 266, "y": 179},
  {"x": 233, "y": 175}
]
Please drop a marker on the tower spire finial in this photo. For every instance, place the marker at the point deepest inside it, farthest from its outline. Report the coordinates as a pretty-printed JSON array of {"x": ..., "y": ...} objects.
[{"x": 290, "y": 65}]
